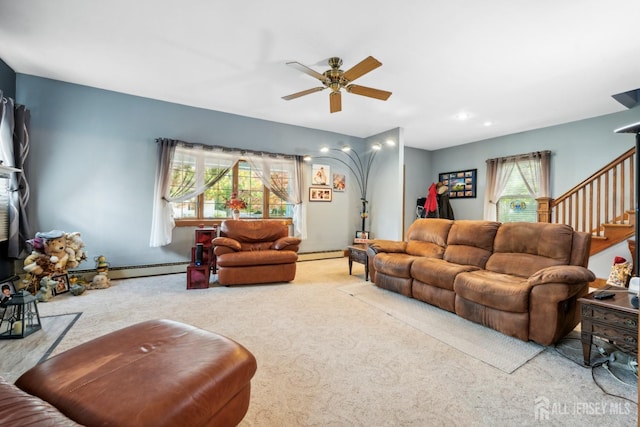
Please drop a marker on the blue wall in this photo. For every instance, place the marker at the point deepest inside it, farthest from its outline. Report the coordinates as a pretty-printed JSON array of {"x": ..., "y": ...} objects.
[
  {"x": 579, "y": 149},
  {"x": 92, "y": 165}
]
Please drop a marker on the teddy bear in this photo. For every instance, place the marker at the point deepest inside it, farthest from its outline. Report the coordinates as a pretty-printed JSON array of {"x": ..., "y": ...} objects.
[
  {"x": 53, "y": 252},
  {"x": 75, "y": 249}
]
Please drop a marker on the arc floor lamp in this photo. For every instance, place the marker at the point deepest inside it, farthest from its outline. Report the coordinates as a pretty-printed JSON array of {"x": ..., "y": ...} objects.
[{"x": 635, "y": 128}]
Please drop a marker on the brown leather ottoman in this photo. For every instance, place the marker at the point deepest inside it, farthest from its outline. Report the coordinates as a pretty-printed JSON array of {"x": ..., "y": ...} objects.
[{"x": 155, "y": 373}]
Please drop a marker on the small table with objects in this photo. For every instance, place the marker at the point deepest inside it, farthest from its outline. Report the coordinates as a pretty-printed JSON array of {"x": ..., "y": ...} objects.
[
  {"x": 358, "y": 253},
  {"x": 614, "y": 319}
]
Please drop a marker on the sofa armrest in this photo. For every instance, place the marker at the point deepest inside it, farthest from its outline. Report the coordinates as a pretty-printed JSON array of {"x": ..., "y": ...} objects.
[
  {"x": 287, "y": 244},
  {"x": 227, "y": 242},
  {"x": 389, "y": 246},
  {"x": 569, "y": 274}
]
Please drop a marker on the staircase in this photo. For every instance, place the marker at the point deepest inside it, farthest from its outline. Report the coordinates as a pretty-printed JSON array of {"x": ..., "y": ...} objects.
[{"x": 603, "y": 204}]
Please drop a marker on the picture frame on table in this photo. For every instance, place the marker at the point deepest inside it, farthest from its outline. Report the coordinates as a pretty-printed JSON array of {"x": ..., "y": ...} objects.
[
  {"x": 8, "y": 290},
  {"x": 362, "y": 235},
  {"x": 320, "y": 194},
  {"x": 62, "y": 284},
  {"x": 460, "y": 184}
]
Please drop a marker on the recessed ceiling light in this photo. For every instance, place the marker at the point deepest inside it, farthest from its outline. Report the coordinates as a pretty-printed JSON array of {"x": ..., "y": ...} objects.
[
  {"x": 462, "y": 116},
  {"x": 488, "y": 123}
]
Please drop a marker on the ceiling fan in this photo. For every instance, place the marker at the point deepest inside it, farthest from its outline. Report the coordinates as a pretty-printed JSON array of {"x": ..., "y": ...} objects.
[{"x": 336, "y": 79}]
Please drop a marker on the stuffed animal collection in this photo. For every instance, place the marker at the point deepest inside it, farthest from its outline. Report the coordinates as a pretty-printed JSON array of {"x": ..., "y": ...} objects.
[{"x": 53, "y": 253}]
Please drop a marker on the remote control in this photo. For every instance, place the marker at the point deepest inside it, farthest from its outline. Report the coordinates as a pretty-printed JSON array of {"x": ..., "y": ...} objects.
[{"x": 604, "y": 295}]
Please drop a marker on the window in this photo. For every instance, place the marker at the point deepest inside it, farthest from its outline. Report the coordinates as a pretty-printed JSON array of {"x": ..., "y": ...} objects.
[
  {"x": 513, "y": 185},
  {"x": 194, "y": 182},
  {"x": 516, "y": 203},
  {"x": 220, "y": 179}
]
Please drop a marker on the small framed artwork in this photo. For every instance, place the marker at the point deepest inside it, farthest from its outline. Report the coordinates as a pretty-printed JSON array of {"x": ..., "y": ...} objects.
[
  {"x": 460, "y": 184},
  {"x": 320, "y": 194},
  {"x": 62, "y": 284},
  {"x": 362, "y": 234},
  {"x": 7, "y": 292},
  {"x": 339, "y": 182},
  {"x": 321, "y": 174}
]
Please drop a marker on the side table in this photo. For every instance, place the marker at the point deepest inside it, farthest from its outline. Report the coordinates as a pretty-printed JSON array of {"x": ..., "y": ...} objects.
[
  {"x": 613, "y": 319},
  {"x": 358, "y": 253}
]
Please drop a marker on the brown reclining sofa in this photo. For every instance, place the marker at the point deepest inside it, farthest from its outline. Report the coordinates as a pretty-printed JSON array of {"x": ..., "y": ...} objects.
[{"x": 522, "y": 279}]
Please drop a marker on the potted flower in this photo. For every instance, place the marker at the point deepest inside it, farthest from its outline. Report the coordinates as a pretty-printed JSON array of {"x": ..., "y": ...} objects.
[{"x": 235, "y": 204}]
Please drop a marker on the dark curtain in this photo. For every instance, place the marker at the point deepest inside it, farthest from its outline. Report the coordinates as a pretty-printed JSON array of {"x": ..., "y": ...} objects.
[{"x": 19, "y": 184}]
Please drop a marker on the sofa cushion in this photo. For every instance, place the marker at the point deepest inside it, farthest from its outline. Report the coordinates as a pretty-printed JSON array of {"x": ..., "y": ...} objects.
[
  {"x": 264, "y": 257},
  {"x": 438, "y": 272},
  {"x": 18, "y": 409},
  {"x": 254, "y": 231},
  {"x": 428, "y": 237},
  {"x": 500, "y": 291},
  {"x": 470, "y": 242},
  {"x": 522, "y": 248},
  {"x": 394, "y": 264}
]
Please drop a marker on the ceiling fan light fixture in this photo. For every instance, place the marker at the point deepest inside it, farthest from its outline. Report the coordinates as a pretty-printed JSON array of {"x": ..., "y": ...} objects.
[{"x": 336, "y": 80}]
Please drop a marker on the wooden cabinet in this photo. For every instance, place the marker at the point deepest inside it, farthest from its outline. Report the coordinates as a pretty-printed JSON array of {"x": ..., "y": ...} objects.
[
  {"x": 198, "y": 273},
  {"x": 614, "y": 319}
]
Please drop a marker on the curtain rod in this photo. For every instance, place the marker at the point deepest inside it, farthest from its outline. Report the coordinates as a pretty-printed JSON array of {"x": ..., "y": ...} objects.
[
  {"x": 518, "y": 156},
  {"x": 227, "y": 149}
]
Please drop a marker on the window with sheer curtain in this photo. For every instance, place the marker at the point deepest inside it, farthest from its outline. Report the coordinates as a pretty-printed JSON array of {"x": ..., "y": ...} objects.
[
  {"x": 195, "y": 182},
  {"x": 513, "y": 185}
]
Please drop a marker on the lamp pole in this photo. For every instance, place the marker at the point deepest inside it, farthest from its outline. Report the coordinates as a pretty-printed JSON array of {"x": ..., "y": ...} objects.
[
  {"x": 360, "y": 168},
  {"x": 635, "y": 128}
]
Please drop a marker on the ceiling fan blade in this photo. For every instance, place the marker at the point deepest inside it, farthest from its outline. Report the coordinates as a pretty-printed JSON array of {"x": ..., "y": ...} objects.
[
  {"x": 335, "y": 102},
  {"x": 303, "y": 93},
  {"x": 313, "y": 73},
  {"x": 368, "y": 64},
  {"x": 368, "y": 91}
]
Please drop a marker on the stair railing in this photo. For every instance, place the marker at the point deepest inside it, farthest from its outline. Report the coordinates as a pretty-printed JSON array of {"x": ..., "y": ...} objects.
[{"x": 606, "y": 197}]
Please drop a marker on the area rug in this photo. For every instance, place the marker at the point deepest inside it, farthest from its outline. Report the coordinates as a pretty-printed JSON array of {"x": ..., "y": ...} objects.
[
  {"x": 19, "y": 355},
  {"x": 489, "y": 346}
]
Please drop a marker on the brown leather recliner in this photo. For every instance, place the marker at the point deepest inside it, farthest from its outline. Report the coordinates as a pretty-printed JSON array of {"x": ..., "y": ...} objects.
[{"x": 250, "y": 252}]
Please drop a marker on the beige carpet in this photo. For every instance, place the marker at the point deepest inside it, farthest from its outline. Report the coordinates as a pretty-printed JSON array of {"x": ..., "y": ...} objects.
[
  {"x": 18, "y": 355},
  {"x": 326, "y": 358},
  {"x": 489, "y": 346}
]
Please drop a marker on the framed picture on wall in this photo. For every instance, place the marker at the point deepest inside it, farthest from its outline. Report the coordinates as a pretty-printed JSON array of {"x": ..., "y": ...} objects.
[
  {"x": 339, "y": 182},
  {"x": 460, "y": 184},
  {"x": 320, "y": 194},
  {"x": 320, "y": 174}
]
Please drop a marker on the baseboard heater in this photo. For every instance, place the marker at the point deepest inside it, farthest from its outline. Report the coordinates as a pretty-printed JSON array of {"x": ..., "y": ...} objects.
[{"x": 131, "y": 271}]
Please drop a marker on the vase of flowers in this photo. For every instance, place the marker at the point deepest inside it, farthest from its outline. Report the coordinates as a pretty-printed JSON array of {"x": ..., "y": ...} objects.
[{"x": 235, "y": 204}]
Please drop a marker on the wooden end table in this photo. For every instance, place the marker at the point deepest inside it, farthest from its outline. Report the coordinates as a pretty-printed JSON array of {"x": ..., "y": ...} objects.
[
  {"x": 358, "y": 253},
  {"x": 613, "y": 319}
]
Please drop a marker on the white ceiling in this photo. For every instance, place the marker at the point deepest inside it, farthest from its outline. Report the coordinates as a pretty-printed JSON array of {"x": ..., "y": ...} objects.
[{"x": 520, "y": 64}]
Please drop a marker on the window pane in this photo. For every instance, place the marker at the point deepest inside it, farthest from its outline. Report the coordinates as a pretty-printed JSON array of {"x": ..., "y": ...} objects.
[
  {"x": 251, "y": 190},
  {"x": 516, "y": 204},
  {"x": 183, "y": 179},
  {"x": 513, "y": 209},
  {"x": 279, "y": 208},
  {"x": 216, "y": 195}
]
